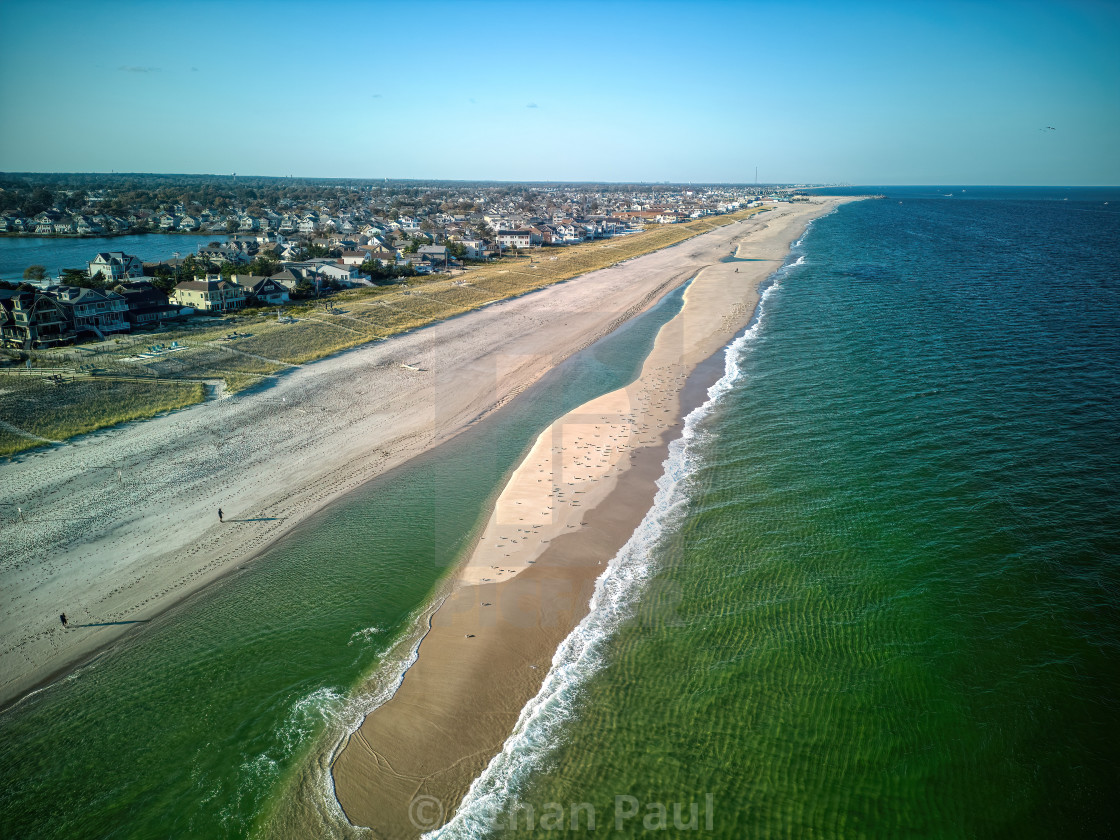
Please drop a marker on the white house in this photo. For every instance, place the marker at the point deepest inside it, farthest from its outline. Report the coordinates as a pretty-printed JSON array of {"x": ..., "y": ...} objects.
[
  {"x": 513, "y": 238},
  {"x": 355, "y": 257},
  {"x": 114, "y": 266}
]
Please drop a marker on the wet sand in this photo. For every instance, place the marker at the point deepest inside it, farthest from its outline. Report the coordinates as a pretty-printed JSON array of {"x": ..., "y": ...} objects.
[{"x": 569, "y": 507}]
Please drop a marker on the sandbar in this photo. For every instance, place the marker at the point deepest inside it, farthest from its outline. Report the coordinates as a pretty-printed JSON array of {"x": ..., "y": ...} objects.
[{"x": 566, "y": 510}]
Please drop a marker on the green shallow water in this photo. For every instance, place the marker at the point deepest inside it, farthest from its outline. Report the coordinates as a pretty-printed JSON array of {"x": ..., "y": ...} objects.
[
  {"x": 890, "y": 609},
  {"x": 217, "y": 719}
]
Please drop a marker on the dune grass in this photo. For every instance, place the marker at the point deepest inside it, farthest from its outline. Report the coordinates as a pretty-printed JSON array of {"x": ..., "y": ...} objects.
[
  {"x": 57, "y": 412},
  {"x": 11, "y": 444}
]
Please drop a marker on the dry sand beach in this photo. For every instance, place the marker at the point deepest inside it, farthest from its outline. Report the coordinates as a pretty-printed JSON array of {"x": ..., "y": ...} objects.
[
  {"x": 568, "y": 508},
  {"x": 115, "y": 527}
]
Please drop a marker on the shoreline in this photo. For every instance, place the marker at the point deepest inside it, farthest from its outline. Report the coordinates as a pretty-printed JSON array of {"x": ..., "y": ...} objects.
[
  {"x": 152, "y": 543},
  {"x": 571, "y": 504}
]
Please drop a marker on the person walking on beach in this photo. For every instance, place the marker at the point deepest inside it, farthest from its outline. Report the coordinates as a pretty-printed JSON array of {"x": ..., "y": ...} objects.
[
  {"x": 65, "y": 621},
  {"x": 220, "y": 519}
]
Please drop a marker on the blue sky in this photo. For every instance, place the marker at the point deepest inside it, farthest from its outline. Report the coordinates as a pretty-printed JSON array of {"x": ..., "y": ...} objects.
[{"x": 865, "y": 93}]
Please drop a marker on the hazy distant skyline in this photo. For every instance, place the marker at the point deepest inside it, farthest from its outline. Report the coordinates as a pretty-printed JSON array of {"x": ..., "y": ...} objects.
[{"x": 864, "y": 93}]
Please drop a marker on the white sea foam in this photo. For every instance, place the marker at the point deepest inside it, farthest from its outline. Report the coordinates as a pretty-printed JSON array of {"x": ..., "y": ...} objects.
[
  {"x": 330, "y": 709},
  {"x": 617, "y": 590},
  {"x": 377, "y": 690},
  {"x": 364, "y": 635}
]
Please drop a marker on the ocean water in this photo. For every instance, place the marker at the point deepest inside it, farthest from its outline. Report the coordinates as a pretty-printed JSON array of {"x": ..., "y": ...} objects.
[
  {"x": 878, "y": 592},
  {"x": 220, "y": 717}
]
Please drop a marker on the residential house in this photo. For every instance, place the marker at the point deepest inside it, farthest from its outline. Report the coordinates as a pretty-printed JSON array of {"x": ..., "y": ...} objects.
[
  {"x": 147, "y": 305},
  {"x": 32, "y": 321},
  {"x": 87, "y": 227},
  {"x": 92, "y": 310},
  {"x": 378, "y": 252},
  {"x": 290, "y": 250},
  {"x": 114, "y": 266},
  {"x": 346, "y": 275},
  {"x": 222, "y": 254},
  {"x": 475, "y": 249},
  {"x": 210, "y": 295},
  {"x": 436, "y": 255},
  {"x": 541, "y": 234},
  {"x": 355, "y": 257},
  {"x": 287, "y": 278},
  {"x": 262, "y": 289},
  {"x": 570, "y": 231},
  {"x": 513, "y": 238}
]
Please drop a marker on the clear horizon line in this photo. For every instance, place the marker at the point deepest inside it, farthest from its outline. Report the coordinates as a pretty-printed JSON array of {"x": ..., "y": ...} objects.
[{"x": 813, "y": 184}]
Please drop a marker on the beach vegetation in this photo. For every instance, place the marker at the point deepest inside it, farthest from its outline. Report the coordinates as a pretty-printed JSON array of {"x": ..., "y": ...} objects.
[{"x": 40, "y": 407}]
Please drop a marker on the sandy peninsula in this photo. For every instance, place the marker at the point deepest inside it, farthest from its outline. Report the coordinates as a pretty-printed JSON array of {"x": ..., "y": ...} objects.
[
  {"x": 567, "y": 509},
  {"x": 117, "y": 526}
]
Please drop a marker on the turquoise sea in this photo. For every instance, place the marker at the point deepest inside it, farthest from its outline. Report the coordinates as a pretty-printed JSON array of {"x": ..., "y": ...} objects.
[{"x": 877, "y": 594}]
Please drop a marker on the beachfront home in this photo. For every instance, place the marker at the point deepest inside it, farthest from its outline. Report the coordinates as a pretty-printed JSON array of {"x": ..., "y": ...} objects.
[
  {"x": 210, "y": 295},
  {"x": 147, "y": 305},
  {"x": 569, "y": 231},
  {"x": 99, "y": 313},
  {"x": 435, "y": 254},
  {"x": 32, "y": 321},
  {"x": 513, "y": 238},
  {"x": 114, "y": 266},
  {"x": 475, "y": 248},
  {"x": 346, "y": 275},
  {"x": 262, "y": 289}
]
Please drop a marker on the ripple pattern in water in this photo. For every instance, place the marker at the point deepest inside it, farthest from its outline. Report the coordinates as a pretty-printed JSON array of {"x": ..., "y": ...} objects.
[{"x": 892, "y": 607}]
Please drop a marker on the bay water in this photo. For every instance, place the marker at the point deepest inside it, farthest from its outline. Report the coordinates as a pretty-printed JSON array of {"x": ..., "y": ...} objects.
[{"x": 55, "y": 253}]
